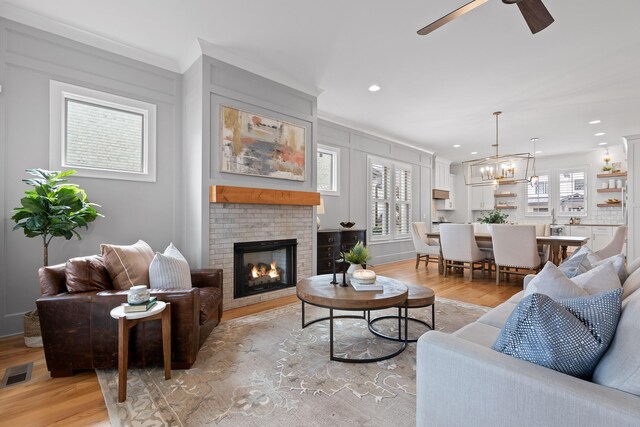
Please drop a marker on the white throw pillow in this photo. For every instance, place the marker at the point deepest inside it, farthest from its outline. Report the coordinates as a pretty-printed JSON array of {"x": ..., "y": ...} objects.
[
  {"x": 169, "y": 270},
  {"x": 551, "y": 281},
  {"x": 591, "y": 256},
  {"x": 618, "y": 265},
  {"x": 599, "y": 279}
]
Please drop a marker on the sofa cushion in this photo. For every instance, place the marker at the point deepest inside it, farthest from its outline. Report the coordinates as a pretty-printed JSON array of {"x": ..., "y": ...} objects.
[
  {"x": 128, "y": 265},
  {"x": 598, "y": 279},
  {"x": 499, "y": 315},
  {"x": 479, "y": 333},
  {"x": 169, "y": 270},
  {"x": 86, "y": 274},
  {"x": 209, "y": 300},
  {"x": 631, "y": 285},
  {"x": 618, "y": 265},
  {"x": 577, "y": 264},
  {"x": 631, "y": 268},
  {"x": 515, "y": 299},
  {"x": 569, "y": 335},
  {"x": 620, "y": 366}
]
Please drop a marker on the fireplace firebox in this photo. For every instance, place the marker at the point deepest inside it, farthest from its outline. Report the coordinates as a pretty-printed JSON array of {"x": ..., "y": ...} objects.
[{"x": 263, "y": 266}]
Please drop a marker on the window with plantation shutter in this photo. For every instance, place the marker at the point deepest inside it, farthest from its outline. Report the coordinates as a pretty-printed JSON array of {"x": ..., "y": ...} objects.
[
  {"x": 572, "y": 192},
  {"x": 380, "y": 202},
  {"x": 538, "y": 196},
  {"x": 402, "y": 185},
  {"x": 389, "y": 200}
]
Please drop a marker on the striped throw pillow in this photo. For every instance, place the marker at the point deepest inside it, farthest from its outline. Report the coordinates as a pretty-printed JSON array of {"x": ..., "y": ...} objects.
[{"x": 169, "y": 270}]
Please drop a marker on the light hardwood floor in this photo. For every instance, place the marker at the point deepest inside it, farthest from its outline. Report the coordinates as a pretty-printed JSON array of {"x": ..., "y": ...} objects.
[{"x": 77, "y": 400}]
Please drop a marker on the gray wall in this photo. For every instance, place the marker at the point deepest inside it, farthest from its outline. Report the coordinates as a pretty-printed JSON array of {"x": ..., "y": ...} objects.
[
  {"x": 224, "y": 84},
  {"x": 351, "y": 204},
  {"x": 153, "y": 212}
]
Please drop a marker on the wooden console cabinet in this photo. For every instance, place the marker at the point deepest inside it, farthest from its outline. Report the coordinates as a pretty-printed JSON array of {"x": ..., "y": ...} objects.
[{"x": 338, "y": 241}]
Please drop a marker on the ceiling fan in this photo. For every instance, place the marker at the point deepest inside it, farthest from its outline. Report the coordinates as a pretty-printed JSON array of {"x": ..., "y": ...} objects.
[{"x": 534, "y": 12}]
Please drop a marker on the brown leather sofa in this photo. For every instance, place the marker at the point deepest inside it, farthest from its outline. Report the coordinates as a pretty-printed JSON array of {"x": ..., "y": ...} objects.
[{"x": 79, "y": 333}]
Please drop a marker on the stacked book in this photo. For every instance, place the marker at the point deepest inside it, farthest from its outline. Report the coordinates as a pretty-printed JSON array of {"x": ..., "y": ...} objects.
[{"x": 136, "y": 308}]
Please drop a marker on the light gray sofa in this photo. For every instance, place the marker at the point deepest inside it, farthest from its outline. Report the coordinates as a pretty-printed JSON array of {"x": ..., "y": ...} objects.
[{"x": 461, "y": 381}]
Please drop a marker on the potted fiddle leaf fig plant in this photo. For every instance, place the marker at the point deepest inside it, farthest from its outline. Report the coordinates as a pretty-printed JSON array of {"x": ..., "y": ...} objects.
[{"x": 52, "y": 208}]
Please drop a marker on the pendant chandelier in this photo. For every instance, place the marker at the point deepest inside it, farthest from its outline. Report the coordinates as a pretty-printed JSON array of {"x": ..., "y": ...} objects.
[
  {"x": 534, "y": 179},
  {"x": 499, "y": 169}
]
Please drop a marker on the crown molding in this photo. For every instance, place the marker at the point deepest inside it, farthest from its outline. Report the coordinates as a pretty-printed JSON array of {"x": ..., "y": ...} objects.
[
  {"x": 327, "y": 117},
  {"x": 27, "y": 17}
]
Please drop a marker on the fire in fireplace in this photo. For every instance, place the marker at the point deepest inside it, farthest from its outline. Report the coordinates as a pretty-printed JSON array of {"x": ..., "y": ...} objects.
[{"x": 264, "y": 266}]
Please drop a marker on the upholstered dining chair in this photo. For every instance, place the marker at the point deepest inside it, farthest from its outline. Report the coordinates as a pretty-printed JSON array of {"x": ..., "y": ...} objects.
[
  {"x": 485, "y": 247},
  {"x": 614, "y": 247},
  {"x": 459, "y": 248},
  {"x": 429, "y": 249},
  {"x": 514, "y": 247}
]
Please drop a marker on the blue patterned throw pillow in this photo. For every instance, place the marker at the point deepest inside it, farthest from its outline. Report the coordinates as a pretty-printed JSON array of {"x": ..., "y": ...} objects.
[
  {"x": 569, "y": 335},
  {"x": 576, "y": 265}
]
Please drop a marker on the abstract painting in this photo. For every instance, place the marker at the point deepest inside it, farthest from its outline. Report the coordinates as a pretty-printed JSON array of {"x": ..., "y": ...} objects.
[{"x": 256, "y": 145}]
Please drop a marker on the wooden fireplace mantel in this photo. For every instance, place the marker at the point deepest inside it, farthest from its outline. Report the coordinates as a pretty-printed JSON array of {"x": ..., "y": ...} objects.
[{"x": 262, "y": 196}]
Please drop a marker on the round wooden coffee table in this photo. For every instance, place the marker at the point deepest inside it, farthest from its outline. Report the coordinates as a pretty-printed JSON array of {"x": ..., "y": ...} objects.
[
  {"x": 318, "y": 291},
  {"x": 419, "y": 297}
]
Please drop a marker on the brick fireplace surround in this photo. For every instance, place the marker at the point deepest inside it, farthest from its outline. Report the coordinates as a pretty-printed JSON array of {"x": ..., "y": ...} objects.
[{"x": 231, "y": 223}]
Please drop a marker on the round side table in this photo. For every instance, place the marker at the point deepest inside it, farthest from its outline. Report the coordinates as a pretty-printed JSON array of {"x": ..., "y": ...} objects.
[
  {"x": 160, "y": 311},
  {"x": 419, "y": 296}
]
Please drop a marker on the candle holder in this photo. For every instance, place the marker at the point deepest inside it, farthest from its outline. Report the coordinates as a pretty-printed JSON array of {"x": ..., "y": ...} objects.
[{"x": 333, "y": 267}]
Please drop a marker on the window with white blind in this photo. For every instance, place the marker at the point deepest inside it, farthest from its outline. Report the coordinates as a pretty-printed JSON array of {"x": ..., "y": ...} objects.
[
  {"x": 538, "y": 196},
  {"x": 390, "y": 192},
  {"x": 328, "y": 171},
  {"x": 101, "y": 135},
  {"x": 572, "y": 195}
]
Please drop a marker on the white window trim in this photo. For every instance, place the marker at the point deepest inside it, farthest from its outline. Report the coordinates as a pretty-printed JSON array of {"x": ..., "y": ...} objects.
[
  {"x": 585, "y": 213},
  {"x": 550, "y": 201},
  {"x": 59, "y": 92},
  {"x": 391, "y": 198},
  {"x": 335, "y": 179}
]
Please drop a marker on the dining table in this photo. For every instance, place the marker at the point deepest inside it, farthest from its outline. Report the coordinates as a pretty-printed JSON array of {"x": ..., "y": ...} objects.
[{"x": 557, "y": 245}]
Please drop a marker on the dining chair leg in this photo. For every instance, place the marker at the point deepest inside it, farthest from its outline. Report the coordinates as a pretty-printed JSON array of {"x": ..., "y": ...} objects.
[
  {"x": 470, "y": 271},
  {"x": 417, "y": 260},
  {"x": 497, "y": 275},
  {"x": 445, "y": 267}
]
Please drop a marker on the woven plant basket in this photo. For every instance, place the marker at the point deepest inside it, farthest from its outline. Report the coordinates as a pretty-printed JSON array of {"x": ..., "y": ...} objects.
[{"x": 32, "y": 334}]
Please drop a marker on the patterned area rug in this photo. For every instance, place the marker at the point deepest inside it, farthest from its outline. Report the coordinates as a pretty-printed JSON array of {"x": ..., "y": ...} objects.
[{"x": 264, "y": 370}]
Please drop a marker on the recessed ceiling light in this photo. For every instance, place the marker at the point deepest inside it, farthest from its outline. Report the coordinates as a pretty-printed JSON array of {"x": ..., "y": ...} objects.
[
  {"x": 594, "y": 122},
  {"x": 374, "y": 88},
  {"x": 474, "y": 152},
  {"x": 602, "y": 143},
  {"x": 539, "y": 151},
  {"x": 599, "y": 134},
  {"x": 456, "y": 146}
]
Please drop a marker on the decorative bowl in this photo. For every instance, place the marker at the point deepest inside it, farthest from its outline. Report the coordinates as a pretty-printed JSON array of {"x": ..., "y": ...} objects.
[
  {"x": 138, "y": 294},
  {"x": 348, "y": 224},
  {"x": 613, "y": 201}
]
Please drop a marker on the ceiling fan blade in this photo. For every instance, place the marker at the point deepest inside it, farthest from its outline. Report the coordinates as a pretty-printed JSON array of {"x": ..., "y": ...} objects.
[
  {"x": 535, "y": 14},
  {"x": 450, "y": 17}
]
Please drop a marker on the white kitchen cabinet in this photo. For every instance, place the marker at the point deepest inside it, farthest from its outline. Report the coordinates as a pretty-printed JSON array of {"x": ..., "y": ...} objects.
[
  {"x": 482, "y": 198},
  {"x": 441, "y": 174},
  {"x": 599, "y": 235},
  {"x": 448, "y": 204}
]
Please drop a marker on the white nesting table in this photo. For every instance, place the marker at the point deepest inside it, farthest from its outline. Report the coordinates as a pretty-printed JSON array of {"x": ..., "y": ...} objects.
[{"x": 160, "y": 311}]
